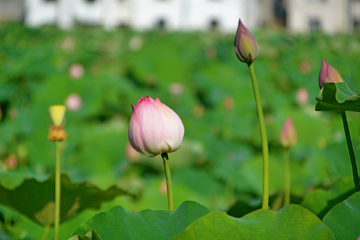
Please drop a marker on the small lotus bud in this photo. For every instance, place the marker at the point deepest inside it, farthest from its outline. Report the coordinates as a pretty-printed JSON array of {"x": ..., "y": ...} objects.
[
  {"x": 328, "y": 74},
  {"x": 288, "y": 135},
  {"x": 245, "y": 45},
  {"x": 57, "y": 113}
]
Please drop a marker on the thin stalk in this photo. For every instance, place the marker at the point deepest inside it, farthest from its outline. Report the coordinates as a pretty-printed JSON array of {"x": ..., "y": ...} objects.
[
  {"x": 57, "y": 190},
  {"x": 351, "y": 152},
  {"x": 265, "y": 201},
  {"x": 168, "y": 180},
  {"x": 286, "y": 177},
  {"x": 46, "y": 231}
]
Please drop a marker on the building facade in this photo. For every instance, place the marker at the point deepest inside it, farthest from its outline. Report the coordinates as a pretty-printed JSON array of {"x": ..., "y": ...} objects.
[
  {"x": 188, "y": 15},
  {"x": 329, "y": 16}
]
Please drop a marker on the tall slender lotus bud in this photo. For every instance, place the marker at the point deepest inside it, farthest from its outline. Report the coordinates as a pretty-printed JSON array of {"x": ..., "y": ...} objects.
[
  {"x": 57, "y": 113},
  {"x": 245, "y": 45},
  {"x": 288, "y": 135},
  {"x": 328, "y": 74}
]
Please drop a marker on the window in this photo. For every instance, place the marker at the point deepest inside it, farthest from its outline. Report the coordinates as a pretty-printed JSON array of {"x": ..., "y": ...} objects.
[
  {"x": 214, "y": 24},
  {"x": 161, "y": 23},
  {"x": 356, "y": 25},
  {"x": 314, "y": 25}
]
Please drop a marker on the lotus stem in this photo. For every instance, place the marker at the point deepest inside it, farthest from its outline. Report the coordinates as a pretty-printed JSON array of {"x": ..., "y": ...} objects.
[
  {"x": 265, "y": 200},
  {"x": 57, "y": 190},
  {"x": 168, "y": 180},
  {"x": 286, "y": 177},
  {"x": 46, "y": 231},
  {"x": 351, "y": 152}
]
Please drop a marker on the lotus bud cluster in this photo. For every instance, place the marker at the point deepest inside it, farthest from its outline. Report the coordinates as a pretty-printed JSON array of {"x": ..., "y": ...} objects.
[
  {"x": 245, "y": 45},
  {"x": 154, "y": 128},
  {"x": 328, "y": 74},
  {"x": 288, "y": 135},
  {"x": 57, "y": 113}
]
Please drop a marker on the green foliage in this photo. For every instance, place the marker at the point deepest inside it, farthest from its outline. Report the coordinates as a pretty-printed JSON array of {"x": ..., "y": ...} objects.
[
  {"x": 321, "y": 201},
  {"x": 91, "y": 235},
  {"x": 120, "y": 223},
  {"x": 344, "y": 218},
  {"x": 337, "y": 97},
  {"x": 291, "y": 222},
  {"x": 37, "y": 199}
]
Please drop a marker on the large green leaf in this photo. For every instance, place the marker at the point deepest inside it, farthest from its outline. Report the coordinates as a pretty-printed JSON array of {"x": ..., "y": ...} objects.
[
  {"x": 337, "y": 97},
  {"x": 291, "y": 222},
  {"x": 321, "y": 201},
  {"x": 36, "y": 199},
  {"x": 344, "y": 218},
  {"x": 91, "y": 235},
  {"x": 119, "y": 223}
]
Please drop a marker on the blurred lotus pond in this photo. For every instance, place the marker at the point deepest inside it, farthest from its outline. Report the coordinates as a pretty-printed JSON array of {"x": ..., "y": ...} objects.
[{"x": 98, "y": 74}]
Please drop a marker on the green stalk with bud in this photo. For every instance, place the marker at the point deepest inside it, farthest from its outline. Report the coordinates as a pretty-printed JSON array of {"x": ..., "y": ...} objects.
[
  {"x": 330, "y": 74},
  {"x": 57, "y": 134},
  {"x": 288, "y": 138},
  {"x": 246, "y": 51}
]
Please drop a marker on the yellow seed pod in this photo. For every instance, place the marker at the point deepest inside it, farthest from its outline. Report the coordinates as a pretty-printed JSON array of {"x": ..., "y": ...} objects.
[
  {"x": 57, "y": 133},
  {"x": 57, "y": 113}
]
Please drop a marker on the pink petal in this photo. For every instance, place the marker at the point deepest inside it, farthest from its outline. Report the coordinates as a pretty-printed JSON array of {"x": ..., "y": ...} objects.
[
  {"x": 135, "y": 132},
  {"x": 173, "y": 127},
  {"x": 151, "y": 125}
]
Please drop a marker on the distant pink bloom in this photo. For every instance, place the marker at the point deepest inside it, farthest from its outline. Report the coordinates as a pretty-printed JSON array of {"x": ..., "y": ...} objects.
[
  {"x": 288, "y": 135},
  {"x": 245, "y": 45},
  {"x": 73, "y": 102},
  {"x": 154, "y": 128},
  {"x": 228, "y": 102},
  {"x": 302, "y": 96},
  {"x": 131, "y": 153},
  {"x": 10, "y": 162},
  {"x": 176, "y": 88},
  {"x": 76, "y": 71},
  {"x": 163, "y": 187},
  {"x": 328, "y": 74},
  {"x": 68, "y": 44}
]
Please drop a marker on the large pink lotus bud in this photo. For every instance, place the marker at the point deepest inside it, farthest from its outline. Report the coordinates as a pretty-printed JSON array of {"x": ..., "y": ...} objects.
[
  {"x": 245, "y": 45},
  {"x": 328, "y": 74},
  {"x": 154, "y": 128},
  {"x": 288, "y": 135}
]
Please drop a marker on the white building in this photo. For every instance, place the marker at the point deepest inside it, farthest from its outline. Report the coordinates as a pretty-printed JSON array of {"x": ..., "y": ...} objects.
[
  {"x": 329, "y": 16},
  {"x": 145, "y": 14}
]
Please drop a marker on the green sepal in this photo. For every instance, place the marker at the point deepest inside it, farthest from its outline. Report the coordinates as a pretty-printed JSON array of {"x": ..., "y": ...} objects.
[{"x": 337, "y": 97}]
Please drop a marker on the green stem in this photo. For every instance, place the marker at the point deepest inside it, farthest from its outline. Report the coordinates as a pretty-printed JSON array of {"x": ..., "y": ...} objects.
[
  {"x": 168, "y": 180},
  {"x": 351, "y": 152},
  {"x": 286, "y": 177},
  {"x": 265, "y": 202},
  {"x": 57, "y": 190},
  {"x": 46, "y": 231}
]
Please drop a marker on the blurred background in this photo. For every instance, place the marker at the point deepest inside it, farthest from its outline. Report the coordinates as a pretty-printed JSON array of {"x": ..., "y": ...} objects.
[{"x": 97, "y": 57}]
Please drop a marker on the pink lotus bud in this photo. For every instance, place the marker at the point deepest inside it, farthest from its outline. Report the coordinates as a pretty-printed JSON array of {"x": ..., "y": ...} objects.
[
  {"x": 288, "y": 135},
  {"x": 328, "y": 74},
  {"x": 245, "y": 45},
  {"x": 154, "y": 128}
]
